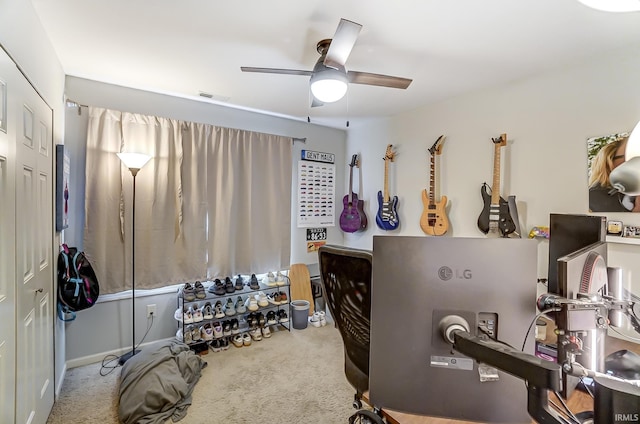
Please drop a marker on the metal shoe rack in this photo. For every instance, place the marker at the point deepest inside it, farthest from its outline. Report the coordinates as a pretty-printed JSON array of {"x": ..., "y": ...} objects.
[{"x": 243, "y": 325}]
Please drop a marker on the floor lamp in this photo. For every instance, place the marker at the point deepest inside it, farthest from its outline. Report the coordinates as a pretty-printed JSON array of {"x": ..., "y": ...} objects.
[{"x": 133, "y": 161}]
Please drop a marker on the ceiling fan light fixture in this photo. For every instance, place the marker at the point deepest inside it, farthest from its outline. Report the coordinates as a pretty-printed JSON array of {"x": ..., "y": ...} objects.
[
  {"x": 613, "y": 5},
  {"x": 327, "y": 84}
]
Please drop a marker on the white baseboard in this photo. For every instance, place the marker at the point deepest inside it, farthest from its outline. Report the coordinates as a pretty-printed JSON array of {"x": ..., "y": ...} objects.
[{"x": 98, "y": 357}]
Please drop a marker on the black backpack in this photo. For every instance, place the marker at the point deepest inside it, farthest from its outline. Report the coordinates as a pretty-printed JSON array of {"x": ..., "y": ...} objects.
[{"x": 78, "y": 287}]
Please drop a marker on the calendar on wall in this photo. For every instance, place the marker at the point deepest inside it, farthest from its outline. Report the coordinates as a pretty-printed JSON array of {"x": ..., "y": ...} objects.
[{"x": 316, "y": 190}]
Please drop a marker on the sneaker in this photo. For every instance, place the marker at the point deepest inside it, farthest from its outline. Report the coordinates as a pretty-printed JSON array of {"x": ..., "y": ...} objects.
[
  {"x": 224, "y": 343},
  {"x": 217, "y": 330},
  {"x": 256, "y": 334},
  {"x": 181, "y": 315},
  {"x": 235, "y": 326},
  {"x": 188, "y": 293},
  {"x": 194, "y": 331},
  {"x": 226, "y": 328},
  {"x": 323, "y": 318},
  {"x": 228, "y": 285},
  {"x": 280, "y": 279},
  {"x": 237, "y": 340},
  {"x": 187, "y": 316},
  {"x": 229, "y": 309},
  {"x": 261, "y": 298},
  {"x": 240, "y": 307},
  {"x": 206, "y": 332},
  {"x": 187, "y": 336},
  {"x": 207, "y": 311},
  {"x": 179, "y": 335},
  {"x": 271, "y": 318},
  {"x": 274, "y": 298},
  {"x": 199, "y": 290},
  {"x": 253, "y": 283},
  {"x": 270, "y": 280},
  {"x": 239, "y": 283},
  {"x": 260, "y": 319},
  {"x": 252, "y": 304},
  {"x": 315, "y": 320},
  {"x": 246, "y": 339},
  {"x": 283, "y": 298},
  {"x": 217, "y": 287},
  {"x": 282, "y": 316},
  {"x": 266, "y": 333},
  {"x": 218, "y": 310},
  {"x": 251, "y": 319},
  {"x": 215, "y": 345},
  {"x": 197, "y": 313}
]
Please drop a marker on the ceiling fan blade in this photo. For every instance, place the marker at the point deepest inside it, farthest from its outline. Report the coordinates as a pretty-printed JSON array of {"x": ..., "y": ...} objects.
[
  {"x": 276, "y": 71},
  {"x": 367, "y": 78},
  {"x": 342, "y": 43}
]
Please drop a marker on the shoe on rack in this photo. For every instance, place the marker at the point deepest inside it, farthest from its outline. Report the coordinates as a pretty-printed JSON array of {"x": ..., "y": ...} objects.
[
  {"x": 237, "y": 340},
  {"x": 246, "y": 339},
  {"x": 217, "y": 330},
  {"x": 187, "y": 316},
  {"x": 282, "y": 316},
  {"x": 229, "y": 308},
  {"x": 239, "y": 283},
  {"x": 280, "y": 279},
  {"x": 266, "y": 332},
  {"x": 197, "y": 313},
  {"x": 228, "y": 285},
  {"x": 207, "y": 311},
  {"x": 261, "y": 299},
  {"x": 235, "y": 326},
  {"x": 187, "y": 336},
  {"x": 224, "y": 343},
  {"x": 283, "y": 298},
  {"x": 215, "y": 345},
  {"x": 188, "y": 293},
  {"x": 226, "y": 328},
  {"x": 271, "y": 318},
  {"x": 179, "y": 335},
  {"x": 274, "y": 298},
  {"x": 240, "y": 307},
  {"x": 256, "y": 334},
  {"x": 253, "y": 283},
  {"x": 219, "y": 313},
  {"x": 260, "y": 319},
  {"x": 206, "y": 332},
  {"x": 315, "y": 320},
  {"x": 270, "y": 279},
  {"x": 217, "y": 287},
  {"x": 181, "y": 315},
  {"x": 323, "y": 318},
  {"x": 199, "y": 290},
  {"x": 252, "y": 304}
]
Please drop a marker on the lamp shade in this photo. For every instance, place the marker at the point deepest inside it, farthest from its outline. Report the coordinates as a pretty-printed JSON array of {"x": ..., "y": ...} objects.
[
  {"x": 633, "y": 143},
  {"x": 625, "y": 178},
  {"x": 134, "y": 160},
  {"x": 613, "y": 5},
  {"x": 327, "y": 84}
]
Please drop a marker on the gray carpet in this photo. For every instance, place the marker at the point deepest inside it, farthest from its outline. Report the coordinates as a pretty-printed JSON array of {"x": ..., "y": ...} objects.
[{"x": 292, "y": 377}]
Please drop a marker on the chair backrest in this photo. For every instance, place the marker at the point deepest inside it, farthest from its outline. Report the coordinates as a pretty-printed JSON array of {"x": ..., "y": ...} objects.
[{"x": 346, "y": 280}]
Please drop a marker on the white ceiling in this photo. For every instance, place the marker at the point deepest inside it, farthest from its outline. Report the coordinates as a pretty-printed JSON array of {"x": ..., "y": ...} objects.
[{"x": 447, "y": 47}]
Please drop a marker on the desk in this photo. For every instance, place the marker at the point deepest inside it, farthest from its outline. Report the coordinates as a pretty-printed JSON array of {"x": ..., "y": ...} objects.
[{"x": 578, "y": 401}]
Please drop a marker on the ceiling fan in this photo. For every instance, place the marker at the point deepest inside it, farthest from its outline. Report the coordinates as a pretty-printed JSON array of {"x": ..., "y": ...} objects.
[{"x": 329, "y": 78}]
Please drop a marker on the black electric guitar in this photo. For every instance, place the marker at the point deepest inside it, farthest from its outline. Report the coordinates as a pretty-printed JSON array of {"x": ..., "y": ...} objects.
[{"x": 495, "y": 219}]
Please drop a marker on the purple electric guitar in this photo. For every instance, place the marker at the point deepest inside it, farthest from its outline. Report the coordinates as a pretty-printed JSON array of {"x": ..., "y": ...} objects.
[{"x": 350, "y": 218}]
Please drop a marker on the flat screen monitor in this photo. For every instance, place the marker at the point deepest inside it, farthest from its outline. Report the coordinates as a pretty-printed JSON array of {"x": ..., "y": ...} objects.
[
  {"x": 567, "y": 234},
  {"x": 417, "y": 281}
]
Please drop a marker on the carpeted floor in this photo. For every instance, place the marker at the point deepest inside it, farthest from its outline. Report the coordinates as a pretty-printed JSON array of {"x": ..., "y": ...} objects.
[{"x": 292, "y": 377}]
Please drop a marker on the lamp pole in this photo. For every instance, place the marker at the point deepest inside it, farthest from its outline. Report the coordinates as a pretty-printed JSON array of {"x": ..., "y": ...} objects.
[{"x": 133, "y": 161}]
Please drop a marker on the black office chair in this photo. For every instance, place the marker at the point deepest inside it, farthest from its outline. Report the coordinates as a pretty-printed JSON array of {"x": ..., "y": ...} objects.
[{"x": 346, "y": 281}]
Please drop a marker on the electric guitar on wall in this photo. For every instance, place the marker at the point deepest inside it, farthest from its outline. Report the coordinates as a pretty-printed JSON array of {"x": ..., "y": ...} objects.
[
  {"x": 433, "y": 220},
  {"x": 352, "y": 213},
  {"x": 495, "y": 219},
  {"x": 387, "y": 216}
]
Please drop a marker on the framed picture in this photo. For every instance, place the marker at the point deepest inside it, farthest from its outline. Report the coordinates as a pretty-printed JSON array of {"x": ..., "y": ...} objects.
[{"x": 62, "y": 188}]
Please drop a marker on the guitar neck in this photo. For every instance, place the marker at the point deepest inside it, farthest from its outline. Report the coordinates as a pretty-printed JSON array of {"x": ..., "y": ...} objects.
[
  {"x": 351, "y": 185},
  {"x": 495, "y": 187},
  {"x": 432, "y": 181},
  {"x": 386, "y": 181}
]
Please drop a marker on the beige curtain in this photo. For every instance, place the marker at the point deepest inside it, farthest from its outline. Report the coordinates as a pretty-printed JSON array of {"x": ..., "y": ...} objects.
[{"x": 186, "y": 201}]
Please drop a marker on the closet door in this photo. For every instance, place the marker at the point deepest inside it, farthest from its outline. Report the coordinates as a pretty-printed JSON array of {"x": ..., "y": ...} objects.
[{"x": 7, "y": 246}]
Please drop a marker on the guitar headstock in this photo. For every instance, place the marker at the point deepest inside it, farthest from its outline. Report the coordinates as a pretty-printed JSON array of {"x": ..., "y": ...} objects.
[
  {"x": 354, "y": 161},
  {"x": 437, "y": 146},
  {"x": 500, "y": 141},
  {"x": 389, "y": 154}
]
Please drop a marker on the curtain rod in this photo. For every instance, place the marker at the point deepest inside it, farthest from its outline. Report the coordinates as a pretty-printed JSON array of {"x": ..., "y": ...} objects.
[{"x": 73, "y": 103}]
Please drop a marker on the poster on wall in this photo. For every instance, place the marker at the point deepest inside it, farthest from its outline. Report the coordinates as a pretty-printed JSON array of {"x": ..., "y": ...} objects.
[
  {"x": 316, "y": 192},
  {"x": 316, "y": 237},
  {"x": 62, "y": 188}
]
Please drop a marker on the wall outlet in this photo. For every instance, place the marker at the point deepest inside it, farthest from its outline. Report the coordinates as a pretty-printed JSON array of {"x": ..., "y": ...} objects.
[{"x": 151, "y": 310}]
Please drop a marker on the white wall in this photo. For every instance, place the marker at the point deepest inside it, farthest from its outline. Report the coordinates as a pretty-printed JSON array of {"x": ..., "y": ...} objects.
[
  {"x": 24, "y": 39},
  {"x": 112, "y": 319},
  {"x": 547, "y": 120}
]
